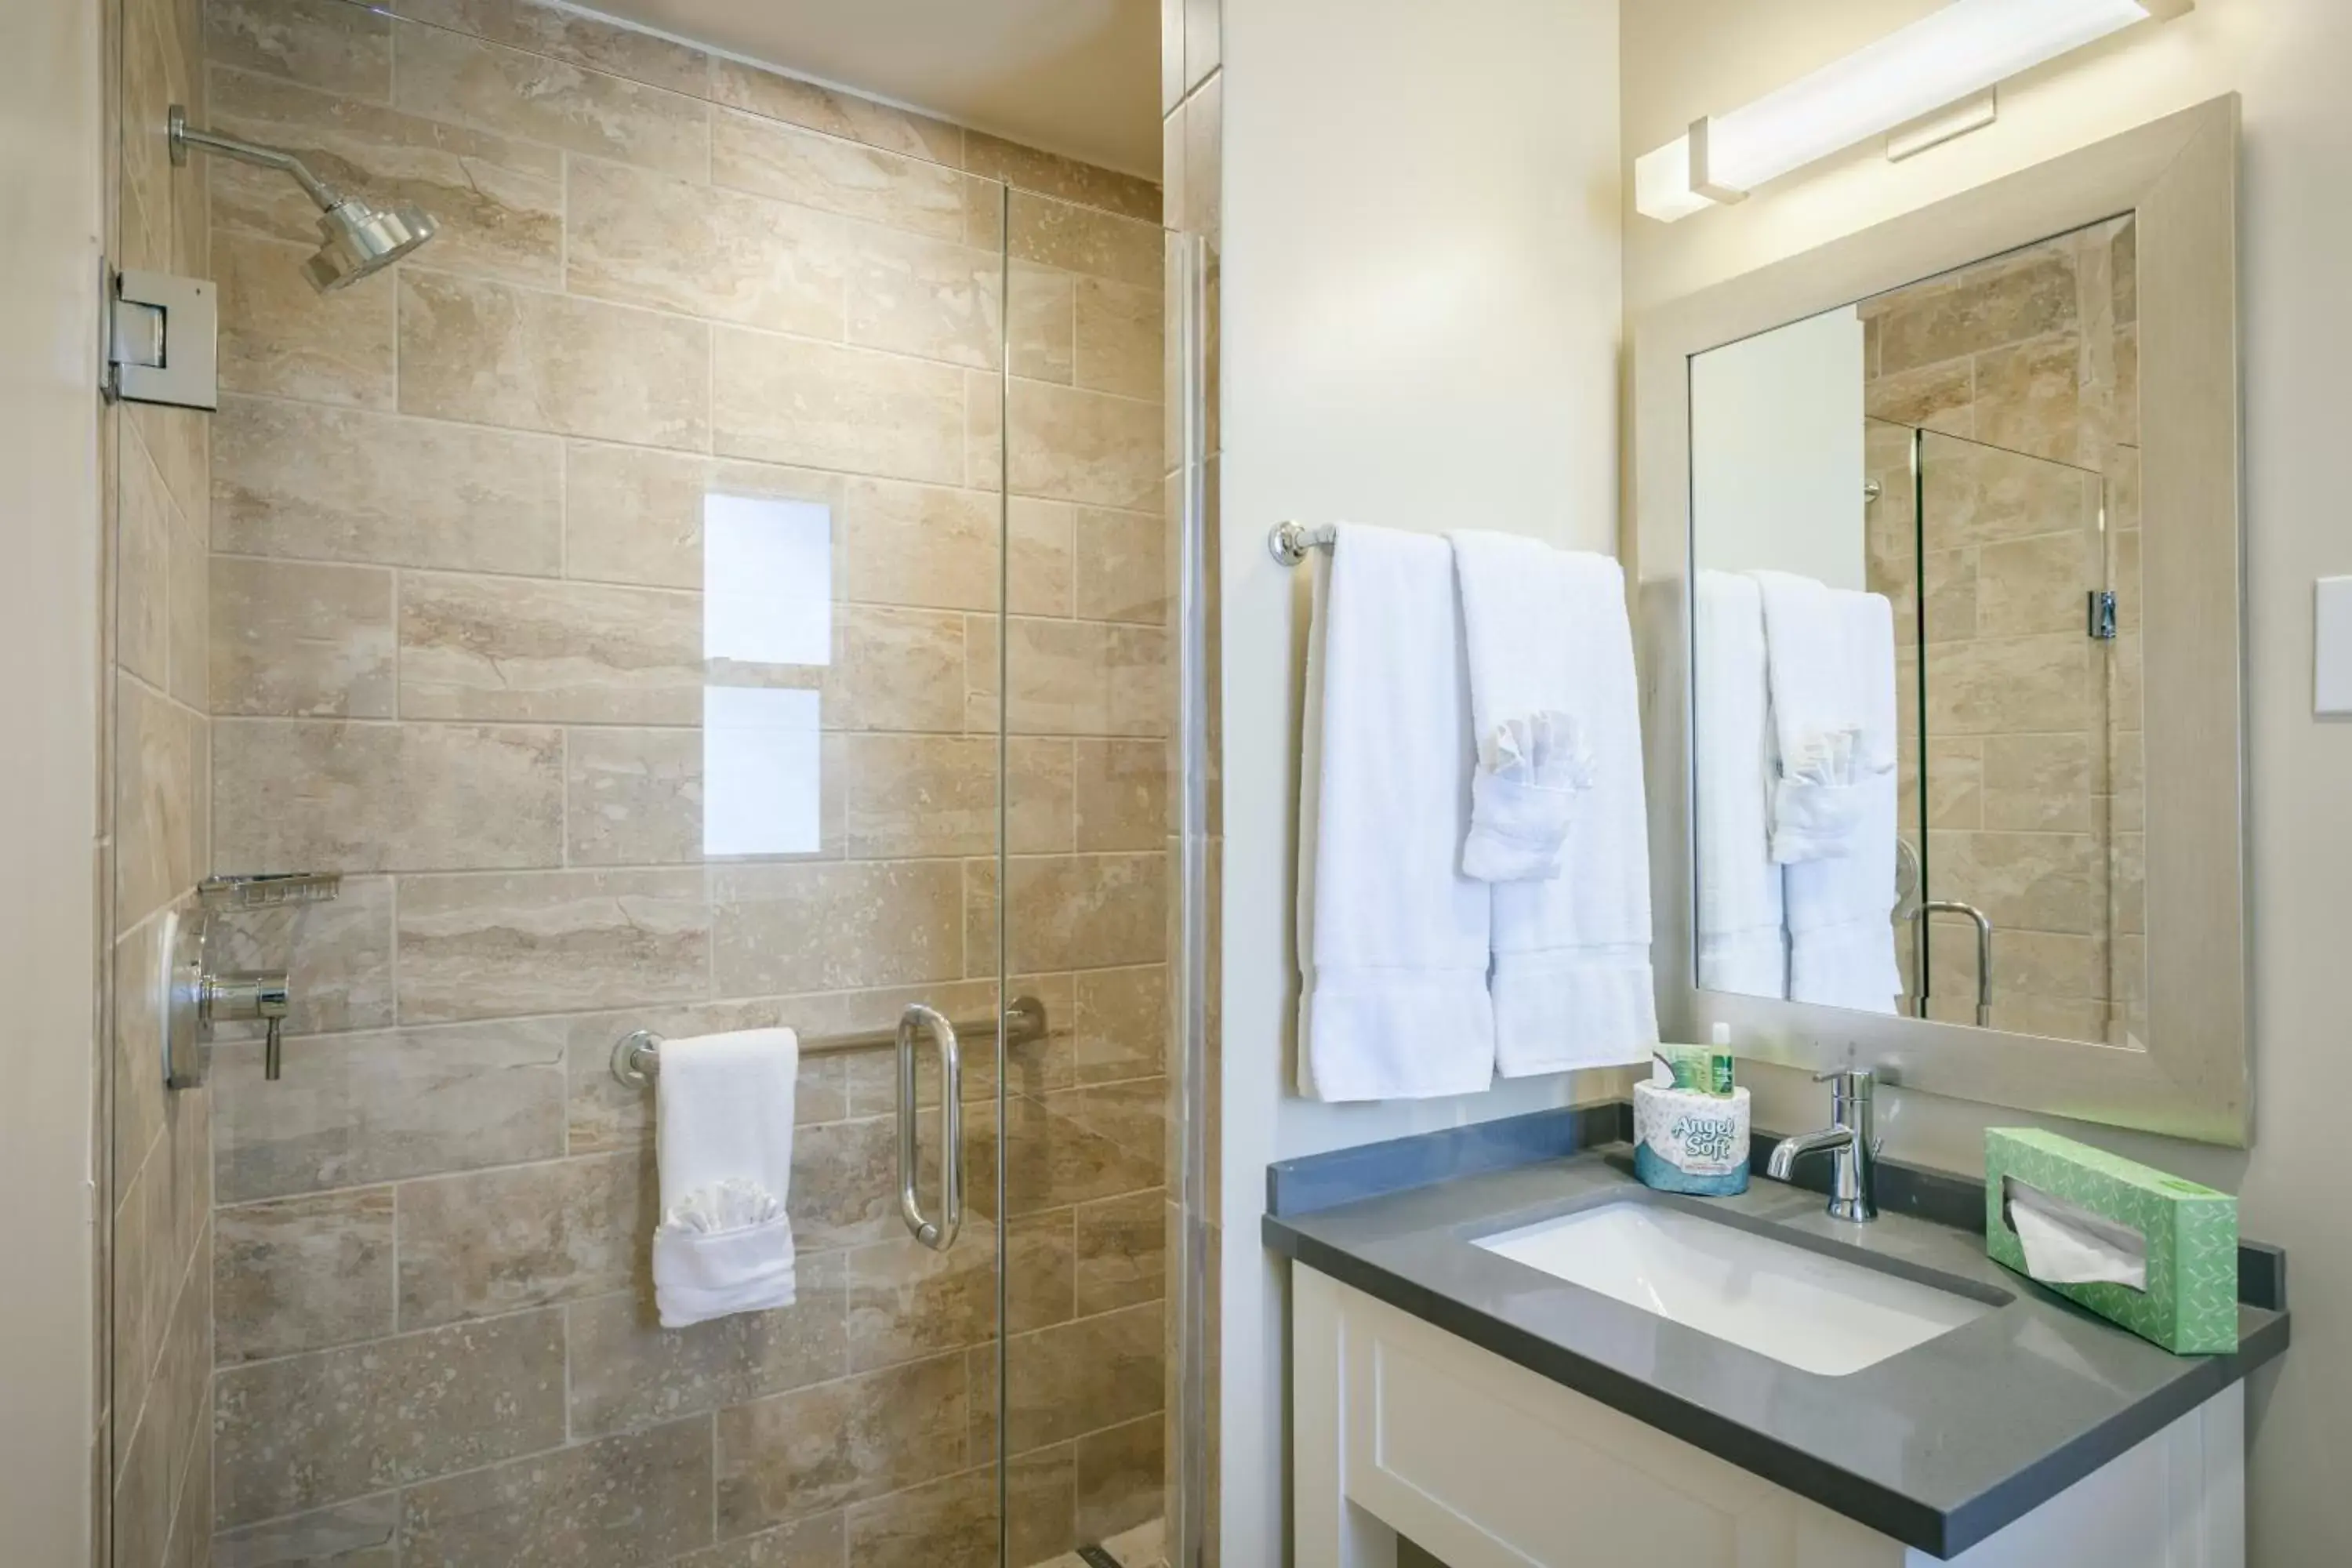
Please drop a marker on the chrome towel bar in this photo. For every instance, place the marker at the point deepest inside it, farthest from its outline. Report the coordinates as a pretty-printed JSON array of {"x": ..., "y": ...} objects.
[{"x": 637, "y": 1056}]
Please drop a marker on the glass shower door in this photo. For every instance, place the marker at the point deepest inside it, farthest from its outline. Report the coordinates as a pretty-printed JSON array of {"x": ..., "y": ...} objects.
[
  {"x": 718, "y": 582},
  {"x": 2019, "y": 730},
  {"x": 612, "y": 592},
  {"x": 1073, "y": 1155}
]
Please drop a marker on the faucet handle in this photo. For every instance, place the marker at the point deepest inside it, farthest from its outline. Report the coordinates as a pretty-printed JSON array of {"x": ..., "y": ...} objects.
[{"x": 1855, "y": 1081}]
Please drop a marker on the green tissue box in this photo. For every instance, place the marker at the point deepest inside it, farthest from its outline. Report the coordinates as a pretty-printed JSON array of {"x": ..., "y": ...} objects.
[{"x": 2190, "y": 1235}]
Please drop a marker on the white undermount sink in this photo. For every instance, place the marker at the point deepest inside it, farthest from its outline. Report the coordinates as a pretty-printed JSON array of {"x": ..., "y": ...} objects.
[{"x": 1817, "y": 1313}]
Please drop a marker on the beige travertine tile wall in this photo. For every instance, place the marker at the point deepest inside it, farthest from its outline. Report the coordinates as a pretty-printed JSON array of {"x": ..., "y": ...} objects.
[
  {"x": 459, "y": 653},
  {"x": 152, "y": 1459},
  {"x": 1191, "y": 164},
  {"x": 2023, "y": 372}
]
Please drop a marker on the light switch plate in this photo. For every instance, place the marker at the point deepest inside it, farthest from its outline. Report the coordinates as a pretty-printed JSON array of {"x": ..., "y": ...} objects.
[{"x": 2332, "y": 643}]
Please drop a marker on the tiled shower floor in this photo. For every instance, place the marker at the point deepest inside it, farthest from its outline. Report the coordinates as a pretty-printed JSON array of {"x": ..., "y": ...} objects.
[{"x": 1142, "y": 1547}]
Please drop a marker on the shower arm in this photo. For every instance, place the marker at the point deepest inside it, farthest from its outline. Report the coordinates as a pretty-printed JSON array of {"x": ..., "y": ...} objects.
[{"x": 184, "y": 136}]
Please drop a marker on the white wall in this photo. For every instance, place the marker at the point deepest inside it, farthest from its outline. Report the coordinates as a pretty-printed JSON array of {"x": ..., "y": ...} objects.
[
  {"x": 1776, "y": 452},
  {"x": 1420, "y": 326},
  {"x": 2290, "y": 58},
  {"x": 49, "y": 212}
]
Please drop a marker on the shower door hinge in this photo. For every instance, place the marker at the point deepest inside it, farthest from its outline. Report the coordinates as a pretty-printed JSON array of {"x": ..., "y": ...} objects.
[
  {"x": 163, "y": 340},
  {"x": 2103, "y": 614}
]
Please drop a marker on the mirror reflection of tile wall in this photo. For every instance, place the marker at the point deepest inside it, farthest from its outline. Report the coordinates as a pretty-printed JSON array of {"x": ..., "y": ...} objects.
[{"x": 2021, "y": 372}]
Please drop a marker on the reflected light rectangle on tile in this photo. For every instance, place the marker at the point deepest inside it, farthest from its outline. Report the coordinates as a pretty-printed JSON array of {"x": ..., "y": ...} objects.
[
  {"x": 767, "y": 580},
  {"x": 761, "y": 772}
]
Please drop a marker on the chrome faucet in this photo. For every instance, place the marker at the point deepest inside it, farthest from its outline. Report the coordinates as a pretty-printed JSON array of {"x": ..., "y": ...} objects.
[{"x": 1851, "y": 1140}]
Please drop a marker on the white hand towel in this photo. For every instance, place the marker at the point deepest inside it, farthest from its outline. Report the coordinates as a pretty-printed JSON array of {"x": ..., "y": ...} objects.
[
  {"x": 1393, "y": 937},
  {"x": 1743, "y": 936},
  {"x": 1822, "y": 759},
  {"x": 724, "y": 1144},
  {"x": 1534, "y": 761},
  {"x": 1573, "y": 986},
  {"x": 1841, "y": 924}
]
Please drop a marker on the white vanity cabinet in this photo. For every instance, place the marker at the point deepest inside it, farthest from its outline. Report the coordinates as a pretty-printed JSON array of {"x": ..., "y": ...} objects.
[{"x": 1402, "y": 1428}]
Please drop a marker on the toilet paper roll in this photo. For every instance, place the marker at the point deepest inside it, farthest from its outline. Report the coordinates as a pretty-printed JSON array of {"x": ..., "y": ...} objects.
[
  {"x": 1685, "y": 1141},
  {"x": 2066, "y": 1244}
]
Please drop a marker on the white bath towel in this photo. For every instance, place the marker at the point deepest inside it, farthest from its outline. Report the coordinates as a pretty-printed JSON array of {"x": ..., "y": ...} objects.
[
  {"x": 1572, "y": 985},
  {"x": 1533, "y": 760},
  {"x": 1393, "y": 937},
  {"x": 1841, "y": 925},
  {"x": 1743, "y": 935},
  {"x": 1821, "y": 758},
  {"x": 724, "y": 1144}
]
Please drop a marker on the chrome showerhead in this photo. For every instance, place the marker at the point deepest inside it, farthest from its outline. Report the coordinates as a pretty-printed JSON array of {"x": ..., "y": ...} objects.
[
  {"x": 360, "y": 239},
  {"x": 357, "y": 238}
]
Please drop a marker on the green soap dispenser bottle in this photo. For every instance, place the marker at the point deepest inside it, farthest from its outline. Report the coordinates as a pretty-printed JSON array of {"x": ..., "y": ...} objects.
[{"x": 1718, "y": 1075}]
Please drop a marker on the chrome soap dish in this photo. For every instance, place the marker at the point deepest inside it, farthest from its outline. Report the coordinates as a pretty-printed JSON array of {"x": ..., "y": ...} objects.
[{"x": 276, "y": 889}]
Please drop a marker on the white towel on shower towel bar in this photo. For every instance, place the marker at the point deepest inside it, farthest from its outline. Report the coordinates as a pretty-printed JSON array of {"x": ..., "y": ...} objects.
[
  {"x": 1571, "y": 983},
  {"x": 1393, "y": 937},
  {"x": 724, "y": 1144}
]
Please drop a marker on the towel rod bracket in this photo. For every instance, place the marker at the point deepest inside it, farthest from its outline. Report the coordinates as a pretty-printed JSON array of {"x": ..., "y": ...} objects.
[
  {"x": 1290, "y": 542},
  {"x": 635, "y": 1054}
]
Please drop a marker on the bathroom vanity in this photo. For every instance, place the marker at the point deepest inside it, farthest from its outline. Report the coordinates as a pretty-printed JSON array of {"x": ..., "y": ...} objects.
[
  {"x": 1924, "y": 516},
  {"x": 1546, "y": 1364}
]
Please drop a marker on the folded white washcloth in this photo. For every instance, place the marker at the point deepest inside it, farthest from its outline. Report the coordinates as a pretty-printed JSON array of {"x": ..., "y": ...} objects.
[
  {"x": 1393, "y": 937},
  {"x": 724, "y": 1146},
  {"x": 1743, "y": 936},
  {"x": 1523, "y": 797},
  {"x": 1825, "y": 763},
  {"x": 1841, "y": 909},
  {"x": 1572, "y": 983},
  {"x": 1534, "y": 760}
]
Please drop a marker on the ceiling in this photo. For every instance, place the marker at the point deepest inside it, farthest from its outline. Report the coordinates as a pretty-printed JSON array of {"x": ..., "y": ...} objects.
[{"x": 1076, "y": 77}]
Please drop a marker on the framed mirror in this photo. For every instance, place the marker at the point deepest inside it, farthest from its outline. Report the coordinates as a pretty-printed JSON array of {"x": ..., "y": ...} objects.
[{"x": 1939, "y": 546}]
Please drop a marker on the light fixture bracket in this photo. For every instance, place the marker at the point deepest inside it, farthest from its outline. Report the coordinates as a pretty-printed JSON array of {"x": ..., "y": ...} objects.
[{"x": 1702, "y": 176}]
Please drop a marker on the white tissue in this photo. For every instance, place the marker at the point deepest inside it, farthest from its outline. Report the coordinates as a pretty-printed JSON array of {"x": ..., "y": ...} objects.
[
  {"x": 731, "y": 1204},
  {"x": 1824, "y": 756},
  {"x": 1546, "y": 750},
  {"x": 2066, "y": 1244}
]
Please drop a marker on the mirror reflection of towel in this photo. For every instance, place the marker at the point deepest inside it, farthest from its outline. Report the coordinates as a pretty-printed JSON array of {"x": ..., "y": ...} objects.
[
  {"x": 1841, "y": 909},
  {"x": 1743, "y": 933},
  {"x": 1827, "y": 752}
]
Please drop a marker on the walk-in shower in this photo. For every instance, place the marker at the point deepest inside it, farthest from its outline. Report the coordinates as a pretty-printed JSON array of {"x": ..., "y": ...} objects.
[
  {"x": 356, "y": 237},
  {"x": 722, "y": 583}
]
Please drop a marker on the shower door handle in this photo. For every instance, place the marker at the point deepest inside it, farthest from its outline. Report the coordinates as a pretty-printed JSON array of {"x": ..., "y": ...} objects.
[{"x": 939, "y": 1233}]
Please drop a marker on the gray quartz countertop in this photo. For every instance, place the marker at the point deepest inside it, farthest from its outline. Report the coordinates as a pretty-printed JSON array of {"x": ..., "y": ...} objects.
[{"x": 1938, "y": 1446}]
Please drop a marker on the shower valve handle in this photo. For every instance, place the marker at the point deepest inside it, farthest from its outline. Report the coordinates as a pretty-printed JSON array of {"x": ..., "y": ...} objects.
[{"x": 248, "y": 994}]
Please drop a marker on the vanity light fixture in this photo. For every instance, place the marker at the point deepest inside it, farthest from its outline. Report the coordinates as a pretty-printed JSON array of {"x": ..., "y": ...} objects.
[{"x": 1953, "y": 54}]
